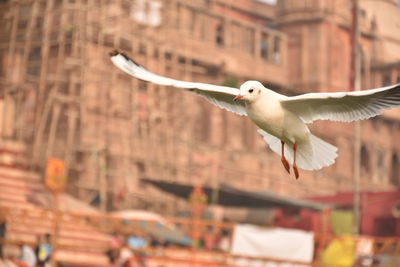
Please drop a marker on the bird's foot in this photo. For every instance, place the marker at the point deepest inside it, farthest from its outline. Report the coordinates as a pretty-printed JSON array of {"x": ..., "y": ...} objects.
[
  {"x": 296, "y": 172},
  {"x": 286, "y": 165}
]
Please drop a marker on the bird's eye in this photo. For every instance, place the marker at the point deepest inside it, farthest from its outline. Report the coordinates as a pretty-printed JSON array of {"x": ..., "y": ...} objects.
[{"x": 251, "y": 90}]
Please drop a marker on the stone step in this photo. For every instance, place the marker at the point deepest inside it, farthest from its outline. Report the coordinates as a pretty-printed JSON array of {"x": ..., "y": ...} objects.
[
  {"x": 12, "y": 196},
  {"x": 84, "y": 246},
  {"x": 69, "y": 255},
  {"x": 46, "y": 221},
  {"x": 23, "y": 196},
  {"x": 68, "y": 234},
  {"x": 16, "y": 172},
  {"x": 81, "y": 258},
  {"x": 63, "y": 241},
  {"x": 20, "y": 185},
  {"x": 13, "y": 146},
  {"x": 12, "y": 159},
  {"x": 16, "y": 204},
  {"x": 28, "y": 193}
]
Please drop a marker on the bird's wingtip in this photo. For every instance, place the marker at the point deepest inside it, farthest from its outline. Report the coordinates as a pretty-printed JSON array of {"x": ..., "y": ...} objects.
[{"x": 114, "y": 53}]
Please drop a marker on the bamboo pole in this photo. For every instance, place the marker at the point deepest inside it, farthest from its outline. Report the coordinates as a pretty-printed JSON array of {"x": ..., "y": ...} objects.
[
  {"x": 53, "y": 129},
  {"x": 28, "y": 43},
  {"x": 56, "y": 228},
  {"x": 41, "y": 127},
  {"x": 45, "y": 47},
  {"x": 72, "y": 122},
  {"x": 356, "y": 84},
  {"x": 13, "y": 40}
]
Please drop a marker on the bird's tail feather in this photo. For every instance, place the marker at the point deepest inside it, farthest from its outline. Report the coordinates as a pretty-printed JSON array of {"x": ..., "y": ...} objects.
[{"x": 312, "y": 155}]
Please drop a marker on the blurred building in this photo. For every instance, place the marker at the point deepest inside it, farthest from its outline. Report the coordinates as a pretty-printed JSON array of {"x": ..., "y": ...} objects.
[{"x": 64, "y": 98}]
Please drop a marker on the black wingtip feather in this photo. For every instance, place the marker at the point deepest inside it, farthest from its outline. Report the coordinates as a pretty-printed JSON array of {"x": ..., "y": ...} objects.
[
  {"x": 128, "y": 58},
  {"x": 113, "y": 53},
  {"x": 116, "y": 53}
]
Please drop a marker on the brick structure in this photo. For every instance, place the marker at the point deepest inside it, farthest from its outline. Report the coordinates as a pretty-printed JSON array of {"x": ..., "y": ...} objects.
[{"x": 64, "y": 98}]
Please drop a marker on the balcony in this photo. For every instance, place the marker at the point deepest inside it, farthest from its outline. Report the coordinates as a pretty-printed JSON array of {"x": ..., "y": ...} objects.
[
  {"x": 245, "y": 49},
  {"x": 237, "y": 47}
]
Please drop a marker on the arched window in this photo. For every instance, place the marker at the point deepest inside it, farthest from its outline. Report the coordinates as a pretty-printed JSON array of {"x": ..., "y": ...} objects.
[
  {"x": 386, "y": 80},
  {"x": 219, "y": 34},
  {"x": 365, "y": 161},
  {"x": 381, "y": 164},
  {"x": 264, "y": 46},
  {"x": 395, "y": 174}
]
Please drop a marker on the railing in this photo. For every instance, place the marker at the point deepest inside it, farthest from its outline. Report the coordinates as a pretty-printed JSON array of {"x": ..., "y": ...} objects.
[
  {"x": 174, "y": 22},
  {"x": 162, "y": 252},
  {"x": 227, "y": 32}
]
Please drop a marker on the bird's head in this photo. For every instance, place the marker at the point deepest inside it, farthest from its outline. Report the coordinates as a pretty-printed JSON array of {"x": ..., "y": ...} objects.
[{"x": 249, "y": 91}]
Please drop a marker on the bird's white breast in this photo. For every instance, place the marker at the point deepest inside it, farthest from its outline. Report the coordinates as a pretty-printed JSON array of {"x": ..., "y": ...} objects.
[{"x": 268, "y": 114}]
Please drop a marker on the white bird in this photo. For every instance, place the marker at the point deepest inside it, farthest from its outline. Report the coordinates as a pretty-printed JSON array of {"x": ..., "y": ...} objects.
[{"x": 283, "y": 120}]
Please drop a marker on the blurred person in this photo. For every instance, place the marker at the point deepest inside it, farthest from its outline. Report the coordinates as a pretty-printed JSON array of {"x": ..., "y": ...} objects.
[
  {"x": 209, "y": 238},
  {"x": 137, "y": 241},
  {"x": 155, "y": 242},
  {"x": 224, "y": 241},
  {"x": 44, "y": 250},
  {"x": 2, "y": 233},
  {"x": 158, "y": 243},
  {"x": 27, "y": 256},
  {"x": 125, "y": 255},
  {"x": 114, "y": 252}
]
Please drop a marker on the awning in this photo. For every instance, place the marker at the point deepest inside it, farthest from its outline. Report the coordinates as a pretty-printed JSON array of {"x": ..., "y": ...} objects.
[{"x": 232, "y": 197}]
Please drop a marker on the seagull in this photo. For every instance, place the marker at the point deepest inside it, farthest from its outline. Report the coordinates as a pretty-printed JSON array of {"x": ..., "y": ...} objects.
[{"x": 282, "y": 120}]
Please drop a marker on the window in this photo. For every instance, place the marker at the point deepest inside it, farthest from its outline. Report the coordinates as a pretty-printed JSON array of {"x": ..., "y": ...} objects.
[
  {"x": 264, "y": 46},
  {"x": 365, "y": 162},
  {"x": 125, "y": 44},
  {"x": 386, "y": 80},
  {"x": 142, "y": 49},
  {"x": 147, "y": 12},
  {"x": 141, "y": 168},
  {"x": 219, "y": 34},
  {"x": 395, "y": 173},
  {"x": 277, "y": 50},
  {"x": 249, "y": 40},
  {"x": 2, "y": 63},
  {"x": 381, "y": 170}
]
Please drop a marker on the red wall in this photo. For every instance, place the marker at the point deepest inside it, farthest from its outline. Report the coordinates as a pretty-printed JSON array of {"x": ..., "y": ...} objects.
[{"x": 376, "y": 213}]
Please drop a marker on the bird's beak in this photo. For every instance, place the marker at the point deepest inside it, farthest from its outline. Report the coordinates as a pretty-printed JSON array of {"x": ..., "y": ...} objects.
[{"x": 237, "y": 97}]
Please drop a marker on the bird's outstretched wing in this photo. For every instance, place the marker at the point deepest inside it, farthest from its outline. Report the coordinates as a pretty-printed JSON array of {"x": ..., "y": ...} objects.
[
  {"x": 221, "y": 96},
  {"x": 343, "y": 106}
]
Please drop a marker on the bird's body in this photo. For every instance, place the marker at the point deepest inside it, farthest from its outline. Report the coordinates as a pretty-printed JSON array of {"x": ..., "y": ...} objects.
[
  {"x": 283, "y": 120},
  {"x": 284, "y": 131},
  {"x": 268, "y": 114},
  {"x": 280, "y": 123}
]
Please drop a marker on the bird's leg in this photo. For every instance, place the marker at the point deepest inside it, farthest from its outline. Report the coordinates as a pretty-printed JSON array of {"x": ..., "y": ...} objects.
[
  {"x": 283, "y": 159},
  {"x": 296, "y": 171}
]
